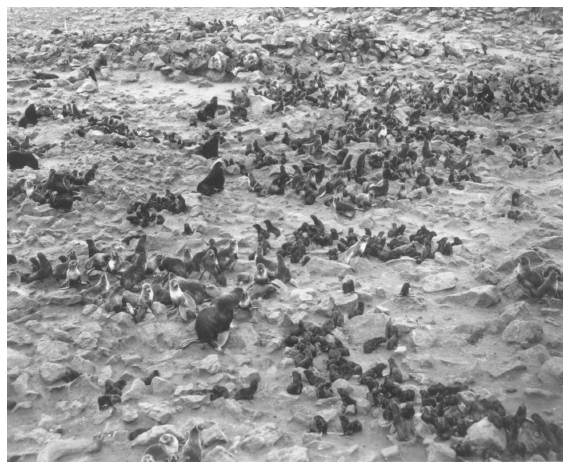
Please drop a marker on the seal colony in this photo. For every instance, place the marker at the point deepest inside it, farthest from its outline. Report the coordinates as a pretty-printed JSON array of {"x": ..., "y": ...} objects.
[{"x": 245, "y": 212}]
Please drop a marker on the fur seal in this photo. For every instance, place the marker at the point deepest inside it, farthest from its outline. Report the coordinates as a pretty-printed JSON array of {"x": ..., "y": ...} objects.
[
  {"x": 73, "y": 277},
  {"x": 91, "y": 295},
  {"x": 98, "y": 261},
  {"x": 135, "y": 273},
  {"x": 114, "y": 302},
  {"x": 174, "y": 265},
  {"x": 193, "y": 287},
  {"x": 283, "y": 272},
  {"x": 214, "y": 181},
  {"x": 181, "y": 301},
  {"x": 42, "y": 273},
  {"x": 530, "y": 280},
  {"x": 247, "y": 393},
  {"x": 356, "y": 250},
  {"x": 260, "y": 276},
  {"x": 144, "y": 303},
  {"x": 212, "y": 325},
  {"x": 116, "y": 266},
  {"x": 210, "y": 264},
  {"x": 549, "y": 286},
  {"x": 20, "y": 159},
  {"x": 153, "y": 263},
  {"x": 60, "y": 270},
  {"x": 162, "y": 452},
  {"x": 140, "y": 247},
  {"x": 30, "y": 117},
  {"x": 343, "y": 208},
  {"x": 348, "y": 427},
  {"x": 296, "y": 387},
  {"x": 272, "y": 229},
  {"x": 227, "y": 256},
  {"x": 192, "y": 450}
]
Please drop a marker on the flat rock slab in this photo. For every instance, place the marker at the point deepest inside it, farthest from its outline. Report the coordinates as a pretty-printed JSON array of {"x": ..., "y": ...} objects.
[
  {"x": 483, "y": 297},
  {"x": 439, "y": 282}
]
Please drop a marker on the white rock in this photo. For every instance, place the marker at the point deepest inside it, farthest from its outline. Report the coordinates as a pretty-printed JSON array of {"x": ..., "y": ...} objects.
[{"x": 439, "y": 282}]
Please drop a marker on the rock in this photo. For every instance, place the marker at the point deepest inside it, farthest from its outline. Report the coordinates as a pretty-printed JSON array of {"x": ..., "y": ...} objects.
[
  {"x": 260, "y": 437},
  {"x": 213, "y": 435},
  {"x": 247, "y": 374},
  {"x": 243, "y": 336},
  {"x": 391, "y": 453},
  {"x": 129, "y": 414},
  {"x": 483, "y": 297},
  {"x": 552, "y": 368},
  {"x": 88, "y": 86},
  {"x": 522, "y": 331},
  {"x": 87, "y": 340},
  {"x": 536, "y": 355},
  {"x": 361, "y": 328},
  {"x": 53, "y": 351},
  {"x": 17, "y": 359},
  {"x": 440, "y": 452},
  {"x": 424, "y": 338},
  {"x": 180, "y": 47},
  {"x": 162, "y": 386},
  {"x": 195, "y": 402},
  {"x": 292, "y": 454},
  {"x": 211, "y": 364},
  {"x": 52, "y": 372},
  {"x": 137, "y": 390},
  {"x": 62, "y": 297},
  {"x": 345, "y": 302},
  {"x": 552, "y": 242},
  {"x": 218, "y": 454},
  {"x": 484, "y": 434},
  {"x": 260, "y": 105},
  {"x": 520, "y": 310},
  {"x": 539, "y": 392},
  {"x": 438, "y": 282},
  {"x": 160, "y": 412}
]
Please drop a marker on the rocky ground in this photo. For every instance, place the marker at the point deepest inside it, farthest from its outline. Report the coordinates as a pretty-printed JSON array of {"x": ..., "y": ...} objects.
[{"x": 519, "y": 356}]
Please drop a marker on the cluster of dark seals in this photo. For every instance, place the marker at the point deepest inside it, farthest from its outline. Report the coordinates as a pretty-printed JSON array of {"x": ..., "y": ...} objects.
[{"x": 144, "y": 213}]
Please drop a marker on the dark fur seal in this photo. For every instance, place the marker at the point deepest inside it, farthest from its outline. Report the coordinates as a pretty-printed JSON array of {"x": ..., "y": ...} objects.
[
  {"x": 214, "y": 181},
  {"x": 30, "y": 117},
  {"x": 140, "y": 247},
  {"x": 209, "y": 149},
  {"x": 42, "y": 273},
  {"x": 20, "y": 159},
  {"x": 174, "y": 265},
  {"x": 192, "y": 451},
  {"x": 213, "y": 323},
  {"x": 135, "y": 273},
  {"x": 114, "y": 300}
]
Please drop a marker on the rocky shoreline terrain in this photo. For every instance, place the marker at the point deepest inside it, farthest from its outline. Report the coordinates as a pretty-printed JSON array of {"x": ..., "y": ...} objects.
[{"x": 462, "y": 107}]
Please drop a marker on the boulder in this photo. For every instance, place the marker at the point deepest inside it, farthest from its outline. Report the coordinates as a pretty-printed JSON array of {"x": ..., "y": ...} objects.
[
  {"x": 17, "y": 359},
  {"x": 438, "y": 282},
  {"x": 440, "y": 452},
  {"x": 260, "y": 437},
  {"x": 523, "y": 331},
  {"x": 292, "y": 454},
  {"x": 484, "y": 297},
  {"x": 325, "y": 268},
  {"x": 484, "y": 434},
  {"x": 218, "y": 62},
  {"x": 211, "y": 364},
  {"x": 362, "y": 328},
  {"x": 179, "y": 47},
  {"x": 552, "y": 368},
  {"x": 519, "y": 310},
  {"x": 213, "y": 435},
  {"x": 52, "y": 372}
]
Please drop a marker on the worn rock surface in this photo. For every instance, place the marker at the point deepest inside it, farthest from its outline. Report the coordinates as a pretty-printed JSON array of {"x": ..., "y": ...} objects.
[{"x": 466, "y": 319}]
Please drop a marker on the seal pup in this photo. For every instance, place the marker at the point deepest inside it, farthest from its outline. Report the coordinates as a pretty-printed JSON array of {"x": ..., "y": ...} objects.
[
  {"x": 227, "y": 257},
  {"x": 283, "y": 272},
  {"x": 45, "y": 270},
  {"x": 210, "y": 264},
  {"x": 213, "y": 323},
  {"x": 181, "y": 301},
  {"x": 356, "y": 250},
  {"x": 318, "y": 425},
  {"x": 135, "y": 273},
  {"x": 166, "y": 447},
  {"x": 153, "y": 263},
  {"x": 60, "y": 270},
  {"x": 348, "y": 427},
  {"x": 144, "y": 303},
  {"x": 343, "y": 208},
  {"x": 192, "y": 450},
  {"x": 73, "y": 277},
  {"x": 529, "y": 280},
  {"x": 272, "y": 229},
  {"x": 260, "y": 276},
  {"x": 247, "y": 393},
  {"x": 91, "y": 295},
  {"x": 549, "y": 286},
  {"x": 116, "y": 266},
  {"x": 114, "y": 302},
  {"x": 214, "y": 181}
]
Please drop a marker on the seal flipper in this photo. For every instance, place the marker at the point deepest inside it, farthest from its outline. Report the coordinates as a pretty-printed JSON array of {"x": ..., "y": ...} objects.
[
  {"x": 65, "y": 285},
  {"x": 187, "y": 342},
  {"x": 223, "y": 338},
  {"x": 182, "y": 312}
]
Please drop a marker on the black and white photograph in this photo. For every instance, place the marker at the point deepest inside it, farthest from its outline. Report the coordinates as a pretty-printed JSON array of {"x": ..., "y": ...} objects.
[{"x": 252, "y": 233}]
